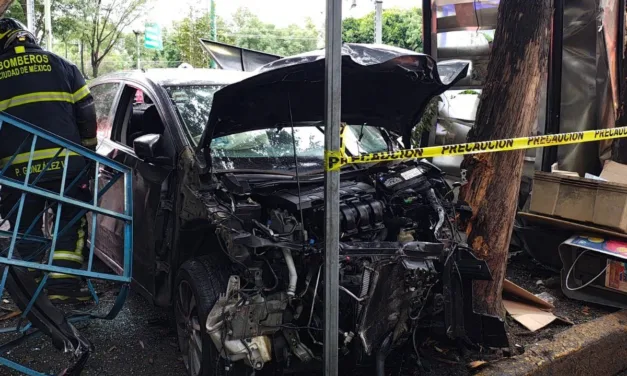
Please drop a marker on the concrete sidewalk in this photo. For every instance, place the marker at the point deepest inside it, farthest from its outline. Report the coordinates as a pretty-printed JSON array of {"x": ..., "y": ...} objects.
[{"x": 596, "y": 348}]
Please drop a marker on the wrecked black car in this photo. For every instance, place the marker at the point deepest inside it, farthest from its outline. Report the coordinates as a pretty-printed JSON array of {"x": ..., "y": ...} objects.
[{"x": 230, "y": 209}]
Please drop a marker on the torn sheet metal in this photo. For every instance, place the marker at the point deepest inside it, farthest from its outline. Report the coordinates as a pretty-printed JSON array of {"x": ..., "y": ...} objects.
[{"x": 235, "y": 58}]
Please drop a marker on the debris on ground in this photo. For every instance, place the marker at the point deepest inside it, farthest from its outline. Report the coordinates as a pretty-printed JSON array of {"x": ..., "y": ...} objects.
[
  {"x": 547, "y": 297},
  {"x": 119, "y": 337},
  {"x": 10, "y": 315}
]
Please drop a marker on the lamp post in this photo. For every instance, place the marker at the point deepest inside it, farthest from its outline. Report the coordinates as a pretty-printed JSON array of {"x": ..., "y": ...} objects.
[
  {"x": 30, "y": 16},
  {"x": 378, "y": 21},
  {"x": 137, "y": 33},
  {"x": 48, "y": 24},
  {"x": 214, "y": 27}
]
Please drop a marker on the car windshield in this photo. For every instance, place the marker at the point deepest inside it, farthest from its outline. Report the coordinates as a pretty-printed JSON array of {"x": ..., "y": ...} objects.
[
  {"x": 194, "y": 105},
  {"x": 273, "y": 149},
  {"x": 265, "y": 149}
]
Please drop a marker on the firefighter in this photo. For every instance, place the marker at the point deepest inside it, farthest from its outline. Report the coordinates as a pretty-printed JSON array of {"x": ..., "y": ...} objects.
[{"x": 41, "y": 88}]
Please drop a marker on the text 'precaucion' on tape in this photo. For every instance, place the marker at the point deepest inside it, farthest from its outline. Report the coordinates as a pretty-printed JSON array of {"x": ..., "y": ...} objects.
[{"x": 334, "y": 160}]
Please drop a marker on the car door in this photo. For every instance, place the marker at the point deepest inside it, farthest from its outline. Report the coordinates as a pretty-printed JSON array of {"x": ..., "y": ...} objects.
[{"x": 149, "y": 179}]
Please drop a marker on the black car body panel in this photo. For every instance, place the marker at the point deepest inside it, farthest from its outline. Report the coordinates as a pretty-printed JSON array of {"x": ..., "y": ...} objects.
[
  {"x": 155, "y": 185},
  {"x": 229, "y": 57}
]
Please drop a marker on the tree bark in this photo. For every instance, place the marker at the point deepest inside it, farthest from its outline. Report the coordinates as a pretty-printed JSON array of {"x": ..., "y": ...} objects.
[
  {"x": 82, "y": 58},
  {"x": 4, "y": 5},
  {"x": 508, "y": 109},
  {"x": 94, "y": 69}
]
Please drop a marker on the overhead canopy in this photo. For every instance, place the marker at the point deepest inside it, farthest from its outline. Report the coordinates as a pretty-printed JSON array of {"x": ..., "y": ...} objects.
[{"x": 381, "y": 85}]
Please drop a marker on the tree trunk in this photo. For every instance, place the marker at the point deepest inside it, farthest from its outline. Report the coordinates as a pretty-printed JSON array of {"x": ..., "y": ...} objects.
[
  {"x": 4, "y": 5},
  {"x": 94, "y": 65},
  {"x": 619, "y": 146},
  {"x": 508, "y": 109},
  {"x": 82, "y": 58}
]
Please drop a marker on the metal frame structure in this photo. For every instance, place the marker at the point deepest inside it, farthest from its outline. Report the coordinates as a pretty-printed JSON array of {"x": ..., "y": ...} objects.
[
  {"x": 469, "y": 16},
  {"x": 333, "y": 113},
  {"x": 9, "y": 258},
  {"x": 554, "y": 84}
]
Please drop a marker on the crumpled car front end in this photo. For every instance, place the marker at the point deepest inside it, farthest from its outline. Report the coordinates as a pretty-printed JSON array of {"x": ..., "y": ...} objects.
[{"x": 403, "y": 263}]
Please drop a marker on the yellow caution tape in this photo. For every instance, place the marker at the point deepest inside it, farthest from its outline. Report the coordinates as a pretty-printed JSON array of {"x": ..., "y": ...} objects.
[
  {"x": 343, "y": 128},
  {"x": 336, "y": 159}
]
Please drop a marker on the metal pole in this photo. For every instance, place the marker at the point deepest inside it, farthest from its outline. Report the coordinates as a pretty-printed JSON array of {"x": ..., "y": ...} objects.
[
  {"x": 620, "y": 45},
  {"x": 428, "y": 21},
  {"x": 554, "y": 85},
  {"x": 378, "y": 21},
  {"x": 30, "y": 16},
  {"x": 214, "y": 28},
  {"x": 333, "y": 81},
  {"x": 48, "y": 20},
  {"x": 138, "y": 50}
]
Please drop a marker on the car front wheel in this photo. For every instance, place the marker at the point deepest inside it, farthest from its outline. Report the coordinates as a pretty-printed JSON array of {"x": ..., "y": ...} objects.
[{"x": 199, "y": 284}]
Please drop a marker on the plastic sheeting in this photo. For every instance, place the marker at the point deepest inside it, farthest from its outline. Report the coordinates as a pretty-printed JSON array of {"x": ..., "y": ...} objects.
[{"x": 586, "y": 90}]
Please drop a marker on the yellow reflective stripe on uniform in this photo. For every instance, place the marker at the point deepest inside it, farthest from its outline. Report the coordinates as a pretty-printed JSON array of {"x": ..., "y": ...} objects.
[
  {"x": 89, "y": 141},
  {"x": 37, "y": 155},
  {"x": 62, "y": 276},
  {"x": 67, "y": 256},
  {"x": 20, "y": 49},
  {"x": 41, "y": 96},
  {"x": 8, "y": 33},
  {"x": 80, "y": 93},
  {"x": 80, "y": 241}
]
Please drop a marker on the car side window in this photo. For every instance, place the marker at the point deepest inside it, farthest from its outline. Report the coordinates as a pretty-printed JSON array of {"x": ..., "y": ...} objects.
[
  {"x": 104, "y": 100},
  {"x": 144, "y": 119}
]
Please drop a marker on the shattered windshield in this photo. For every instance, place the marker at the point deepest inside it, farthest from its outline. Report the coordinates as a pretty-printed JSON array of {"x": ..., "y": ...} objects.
[
  {"x": 194, "y": 105},
  {"x": 272, "y": 148},
  {"x": 266, "y": 149}
]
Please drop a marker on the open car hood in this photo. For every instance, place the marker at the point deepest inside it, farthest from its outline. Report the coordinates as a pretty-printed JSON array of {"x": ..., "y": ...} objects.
[
  {"x": 381, "y": 86},
  {"x": 229, "y": 57}
]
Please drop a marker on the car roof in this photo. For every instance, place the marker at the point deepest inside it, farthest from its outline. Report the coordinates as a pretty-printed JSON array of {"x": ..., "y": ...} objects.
[{"x": 180, "y": 76}]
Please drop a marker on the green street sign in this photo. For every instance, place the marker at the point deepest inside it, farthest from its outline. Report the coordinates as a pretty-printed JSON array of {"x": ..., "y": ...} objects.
[{"x": 152, "y": 36}]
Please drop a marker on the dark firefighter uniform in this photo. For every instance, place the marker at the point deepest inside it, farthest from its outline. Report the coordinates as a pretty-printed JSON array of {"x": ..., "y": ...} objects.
[{"x": 43, "y": 89}]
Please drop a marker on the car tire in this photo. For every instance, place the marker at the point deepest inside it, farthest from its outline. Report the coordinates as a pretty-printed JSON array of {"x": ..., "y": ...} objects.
[{"x": 198, "y": 285}]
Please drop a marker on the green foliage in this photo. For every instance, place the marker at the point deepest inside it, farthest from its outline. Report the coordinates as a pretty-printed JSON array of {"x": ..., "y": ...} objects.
[
  {"x": 246, "y": 30},
  {"x": 469, "y": 92},
  {"x": 401, "y": 28},
  {"x": 183, "y": 43},
  {"x": 169, "y": 57},
  {"x": 15, "y": 11},
  {"x": 427, "y": 121}
]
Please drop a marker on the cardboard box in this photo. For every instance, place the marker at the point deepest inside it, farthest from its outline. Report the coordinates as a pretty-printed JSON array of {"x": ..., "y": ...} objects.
[
  {"x": 603, "y": 203},
  {"x": 563, "y": 196}
]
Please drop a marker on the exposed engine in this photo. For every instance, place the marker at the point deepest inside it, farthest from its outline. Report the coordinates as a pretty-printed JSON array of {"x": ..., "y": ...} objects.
[{"x": 401, "y": 260}]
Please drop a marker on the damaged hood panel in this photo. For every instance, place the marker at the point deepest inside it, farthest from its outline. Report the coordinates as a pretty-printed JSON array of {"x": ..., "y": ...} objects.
[{"x": 381, "y": 85}]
